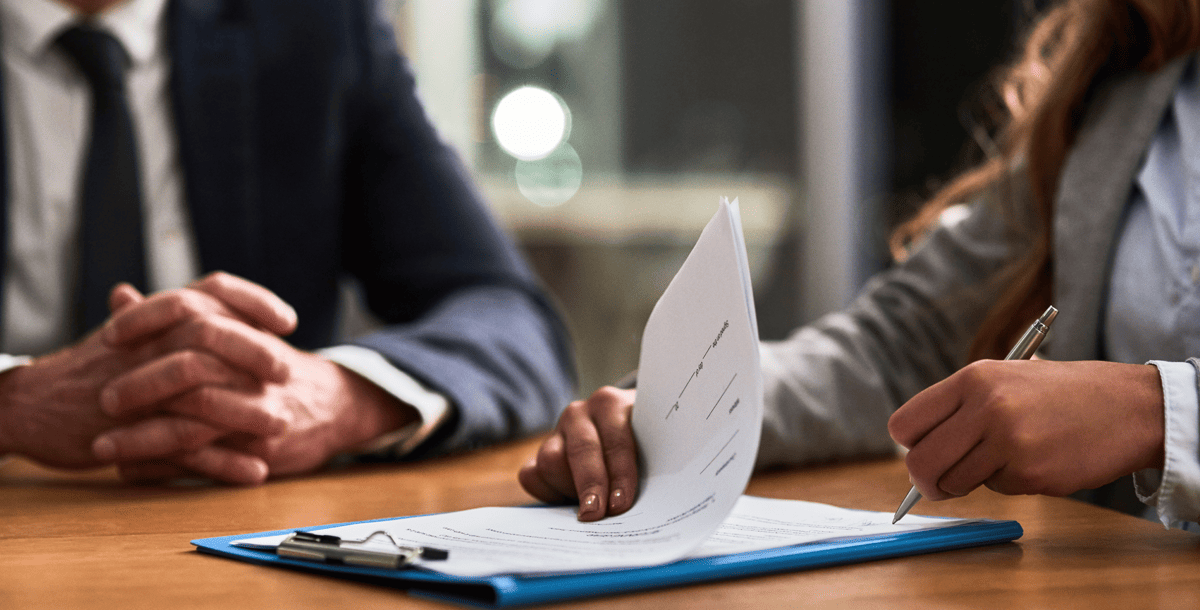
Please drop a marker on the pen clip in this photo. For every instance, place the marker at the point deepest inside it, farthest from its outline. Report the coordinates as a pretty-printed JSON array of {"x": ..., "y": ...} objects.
[{"x": 332, "y": 549}]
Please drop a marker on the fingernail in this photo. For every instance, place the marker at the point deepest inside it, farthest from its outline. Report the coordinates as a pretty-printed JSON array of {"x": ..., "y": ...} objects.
[
  {"x": 616, "y": 500},
  {"x": 589, "y": 506},
  {"x": 104, "y": 449},
  {"x": 108, "y": 401}
]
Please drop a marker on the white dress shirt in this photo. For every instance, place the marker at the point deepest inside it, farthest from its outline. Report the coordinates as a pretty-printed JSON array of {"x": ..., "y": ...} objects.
[
  {"x": 1153, "y": 311},
  {"x": 46, "y": 113}
]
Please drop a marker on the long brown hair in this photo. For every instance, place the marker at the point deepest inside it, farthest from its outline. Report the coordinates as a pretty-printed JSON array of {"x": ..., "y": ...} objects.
[{"x": 1075, "y": 44}]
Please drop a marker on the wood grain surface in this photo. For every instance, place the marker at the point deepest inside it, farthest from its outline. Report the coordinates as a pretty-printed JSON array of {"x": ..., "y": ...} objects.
[{"x": 85, "y": 540}]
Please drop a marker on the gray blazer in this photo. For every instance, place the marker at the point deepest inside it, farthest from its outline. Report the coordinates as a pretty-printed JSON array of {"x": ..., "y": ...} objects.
[{"x": 831, "y": 386}]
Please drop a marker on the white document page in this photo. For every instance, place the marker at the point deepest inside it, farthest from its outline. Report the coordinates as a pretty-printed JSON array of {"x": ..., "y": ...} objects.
[
  {"x": 488, "y": 541},
  {"x": 698, "y": 415},
  {"x": 765, "y": 523},
  {"x": 698, "y": 418}
]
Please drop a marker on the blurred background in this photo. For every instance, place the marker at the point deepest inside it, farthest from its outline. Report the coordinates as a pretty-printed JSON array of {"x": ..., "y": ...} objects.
[{"x": 603, "y": 133}]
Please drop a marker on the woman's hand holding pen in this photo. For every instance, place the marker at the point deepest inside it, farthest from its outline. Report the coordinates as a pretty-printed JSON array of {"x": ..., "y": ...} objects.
[{"x": 1032, "y": 427}]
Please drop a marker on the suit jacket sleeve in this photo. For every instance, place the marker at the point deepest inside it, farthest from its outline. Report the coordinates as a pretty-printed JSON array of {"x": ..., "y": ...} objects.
[
  {"x": 832, "y": 385},
  {"x": 465, "y": 315}
]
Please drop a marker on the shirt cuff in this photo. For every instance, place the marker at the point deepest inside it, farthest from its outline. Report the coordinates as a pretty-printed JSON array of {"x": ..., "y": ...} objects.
[
  {"x": 7, "y": 362},
  {"x": 432, "y": 407},
  {"x": 1175, "y": 490}
]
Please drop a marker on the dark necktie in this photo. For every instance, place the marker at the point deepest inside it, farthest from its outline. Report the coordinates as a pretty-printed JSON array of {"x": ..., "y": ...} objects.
[{"x": 110, "y": 230}]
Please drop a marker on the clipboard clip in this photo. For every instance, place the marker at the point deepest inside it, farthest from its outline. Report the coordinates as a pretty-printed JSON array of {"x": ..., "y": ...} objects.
[{"x": 365, "y": 553}]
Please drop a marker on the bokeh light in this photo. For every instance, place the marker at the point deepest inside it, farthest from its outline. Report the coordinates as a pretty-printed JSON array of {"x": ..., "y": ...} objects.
[
  {"x": 523, "y": 33},
  {"x": 553, "y": 179},
  {"x": 530, "y": 123}
]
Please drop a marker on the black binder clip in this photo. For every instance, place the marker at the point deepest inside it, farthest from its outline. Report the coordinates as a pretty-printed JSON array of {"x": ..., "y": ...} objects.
[{"x": 332, "y": 549}]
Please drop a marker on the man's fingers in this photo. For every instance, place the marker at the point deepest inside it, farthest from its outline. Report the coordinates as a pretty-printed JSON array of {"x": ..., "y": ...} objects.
[
  {"x": 230, "y": 408},
  {"x": 226, "y": 465},
  {"x": 239, "y": 345},
  {"x": 254, "y": 301},
  {"x": 218, "y": 294},
  {"x": 152, "y": 471},
  {"x": 217, "y": 463},
  {"x": 154, "y": 437},
  {"x": 159, "y": 312},
  {"x": 123, "y": 295},
  {"x": 611, "y": 410},
  {"x": 141, "y": 389},
  {"x": 194, "y": 385}
]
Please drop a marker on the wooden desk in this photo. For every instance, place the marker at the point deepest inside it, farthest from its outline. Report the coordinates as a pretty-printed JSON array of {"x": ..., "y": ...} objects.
[{"x": 87, "y": 541}]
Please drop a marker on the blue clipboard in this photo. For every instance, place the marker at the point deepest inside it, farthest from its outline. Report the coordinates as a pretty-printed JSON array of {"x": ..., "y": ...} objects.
[{"x": 512, "y": 590}]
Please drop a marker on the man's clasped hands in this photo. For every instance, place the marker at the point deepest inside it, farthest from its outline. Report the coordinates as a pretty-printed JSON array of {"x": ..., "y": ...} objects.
[{"x": 196, "y": 381}]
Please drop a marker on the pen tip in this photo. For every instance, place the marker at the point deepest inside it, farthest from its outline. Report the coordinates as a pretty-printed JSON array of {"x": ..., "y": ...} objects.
[
  {"x": 1048, "y": 317},
  {"x": 894, "y": 520}
]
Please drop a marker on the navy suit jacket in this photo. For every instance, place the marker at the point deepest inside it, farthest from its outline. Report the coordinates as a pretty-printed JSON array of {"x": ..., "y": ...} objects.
[{"x": 308, "y": 159}]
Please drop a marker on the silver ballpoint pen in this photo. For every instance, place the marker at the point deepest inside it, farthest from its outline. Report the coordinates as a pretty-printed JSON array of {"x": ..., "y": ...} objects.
[{"x": 1023, "y": 350}]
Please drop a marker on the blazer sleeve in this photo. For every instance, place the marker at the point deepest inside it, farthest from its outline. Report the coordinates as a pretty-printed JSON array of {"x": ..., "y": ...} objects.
[
  {"x": 832, "y": 385},
  {"x": 464, "y": 313}
]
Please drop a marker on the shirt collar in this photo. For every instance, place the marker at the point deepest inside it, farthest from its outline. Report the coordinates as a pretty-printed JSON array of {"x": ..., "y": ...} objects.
[{"x": 31, "y": 26}]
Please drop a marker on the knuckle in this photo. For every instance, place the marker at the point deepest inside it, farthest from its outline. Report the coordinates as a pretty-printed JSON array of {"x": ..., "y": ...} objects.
[
  {"x": 610, "y": 401},
  {"x": 274, "y": 423},
  {"x": 184, "y": 434},
  {"x": 584, "y": 448},
  {"x": 217, "y": 280},
  {"x": 179, "y": 304},
  {"x": 265, "y": 421},
  {"x": 575, "y": 411},
  {"x": 607, "y": 405},
  {"x": 551, "y": 452},
  {"x": 605, "y": 394},
  {"x": 977, "y": 373},
  {"x": 618, "y": 419},
  {"x": 619, "y": 445},
  {"x": 998, "y": 414},
  {"x": 186, "y": 368},
  {"x": 205, "y": 333}
]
